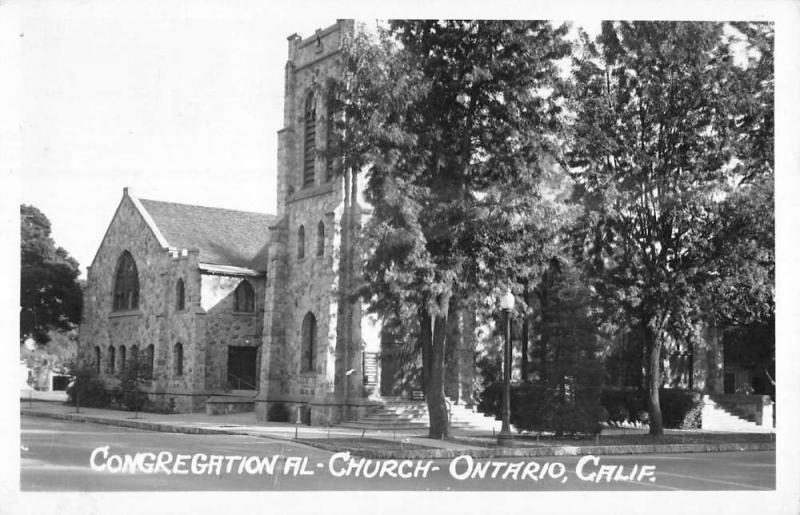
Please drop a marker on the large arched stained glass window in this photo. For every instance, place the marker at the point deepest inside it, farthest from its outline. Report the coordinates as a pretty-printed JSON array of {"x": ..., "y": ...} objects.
[
  {"x": 309, "y": 140},
  {"x": 126, "y": 283},
  {"x": 309, "y": 339},
  {"x": 244, "y": 298}
]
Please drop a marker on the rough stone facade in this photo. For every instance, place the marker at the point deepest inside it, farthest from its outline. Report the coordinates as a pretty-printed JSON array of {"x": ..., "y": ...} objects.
[
  {"x": 205, "y": 327},
  {"x": 312, "y": 274},
  {"x": 226, "y": 327},
  {"x": 156, "y": 321},
  {"x": 303, "y": 281}
]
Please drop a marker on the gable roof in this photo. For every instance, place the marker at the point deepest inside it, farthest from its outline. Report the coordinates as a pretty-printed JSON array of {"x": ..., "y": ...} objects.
[{"x": 223, "y": 236}]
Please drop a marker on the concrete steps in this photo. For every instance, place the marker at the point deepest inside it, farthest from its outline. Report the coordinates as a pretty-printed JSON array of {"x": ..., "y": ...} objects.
[
  {"x": 721, "y": 417},
  {"x": 399, "y": 414}
]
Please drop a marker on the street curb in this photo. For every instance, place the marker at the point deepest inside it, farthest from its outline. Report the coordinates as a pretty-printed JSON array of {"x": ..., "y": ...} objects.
[
  {"x": 157, "y": 426},
  {"x": 537, "y": 452},
  {"x": 527, "y": 452},
  {"x": 134, "y": 424}
]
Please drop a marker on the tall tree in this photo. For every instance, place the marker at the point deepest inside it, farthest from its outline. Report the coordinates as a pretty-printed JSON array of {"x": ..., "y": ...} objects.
[
  {"x": 665, "y": 122},
  {"x": 452, "y": 120},
  {"x": 50, "y": 297}
]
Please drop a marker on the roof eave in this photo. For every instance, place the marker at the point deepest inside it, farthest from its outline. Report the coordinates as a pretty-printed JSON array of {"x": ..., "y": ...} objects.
[
  {"x": 230, "y": 270},
  {"x": 149, "y": 221}
]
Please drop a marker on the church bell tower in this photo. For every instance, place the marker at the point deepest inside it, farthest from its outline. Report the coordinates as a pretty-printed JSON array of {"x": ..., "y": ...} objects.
[{"x": 313, "y": 343}]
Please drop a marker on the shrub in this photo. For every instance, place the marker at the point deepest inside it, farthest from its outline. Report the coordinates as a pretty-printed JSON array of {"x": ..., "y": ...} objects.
[
  {"x": 87, "y": 388},
  {"x": 618, "y": 414},
  {"x": 581, "y": 418},
  {"x": 623, "y": 402},
  {"x": 131, "y": 396},
  {"x": 535, "y": 406},
  {"x": 490, "y": 397},
  {"x": 680, "y": 409}
]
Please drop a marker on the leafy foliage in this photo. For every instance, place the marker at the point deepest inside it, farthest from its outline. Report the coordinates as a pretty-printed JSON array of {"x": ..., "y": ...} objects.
[
  {"x": 87, "y": 389},
  {"x": 451, "y": 119},
  {"x": 50, "y": 297},
  {"x": 666, "y": 124},
  {"x": 131, "y": 394},
  {"x": 564, "y": 395},
  {"x": 680, "y": 409},
  {"x": 537, "y": 407}
]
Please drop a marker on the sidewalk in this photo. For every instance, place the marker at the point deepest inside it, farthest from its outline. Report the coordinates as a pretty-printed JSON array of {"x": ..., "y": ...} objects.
[
  {"x": 233, "y": 424},
  {"x": 337, "y": 439}
]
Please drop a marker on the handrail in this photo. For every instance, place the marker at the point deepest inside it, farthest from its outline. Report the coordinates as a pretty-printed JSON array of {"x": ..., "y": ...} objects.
[{"x": 240, "y": 381}]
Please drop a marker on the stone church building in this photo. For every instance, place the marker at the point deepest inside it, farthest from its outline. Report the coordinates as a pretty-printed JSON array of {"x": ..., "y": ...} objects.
[
  {"x": 228, "y": 310},
  {"x": 231, "y": 310}
]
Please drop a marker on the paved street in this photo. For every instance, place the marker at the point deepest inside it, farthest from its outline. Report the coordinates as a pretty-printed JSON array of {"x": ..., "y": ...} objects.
[{"x": 58, "y": 455}]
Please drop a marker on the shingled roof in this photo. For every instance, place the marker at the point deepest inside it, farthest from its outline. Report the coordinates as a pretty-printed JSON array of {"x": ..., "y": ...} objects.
[{"x": 223, "y": 236}]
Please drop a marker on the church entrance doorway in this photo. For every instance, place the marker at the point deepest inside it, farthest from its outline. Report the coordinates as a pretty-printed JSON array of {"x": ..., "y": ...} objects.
[{"x": 242, "y": 368}]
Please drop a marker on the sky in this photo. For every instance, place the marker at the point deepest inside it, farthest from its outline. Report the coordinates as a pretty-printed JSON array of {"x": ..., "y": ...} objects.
[
  {"x": 179, "y": 101},
  {"x": 178, "y": 104}
]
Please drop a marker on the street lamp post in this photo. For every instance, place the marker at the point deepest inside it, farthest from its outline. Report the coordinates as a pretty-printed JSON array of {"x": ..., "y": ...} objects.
[{"x": 505, "y": 438}]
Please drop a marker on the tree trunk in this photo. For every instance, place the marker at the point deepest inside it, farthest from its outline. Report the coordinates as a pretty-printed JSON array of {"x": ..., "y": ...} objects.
[
  {"x": 433, "y": 354},
  {"x": 691, "y": 364},
  {"x": 525, "y": 336},
  {"x": 543, "y": 333},
  {"x": 654, "y": 404}
]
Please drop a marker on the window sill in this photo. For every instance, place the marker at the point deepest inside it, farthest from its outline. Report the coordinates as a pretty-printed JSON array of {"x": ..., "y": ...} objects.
[
  {"x": 125, "y": 313},
  {"x": 243, "y": 313}
]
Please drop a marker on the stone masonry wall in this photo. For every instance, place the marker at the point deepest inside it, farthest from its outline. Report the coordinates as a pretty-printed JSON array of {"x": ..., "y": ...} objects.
[
  {"x": 226, "y": 327},
  {"x": 156, "y": 321},
  {"x": 299, "y": 285}
]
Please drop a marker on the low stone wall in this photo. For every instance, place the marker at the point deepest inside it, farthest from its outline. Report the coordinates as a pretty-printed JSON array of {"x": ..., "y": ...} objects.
[
  {"x": 177, "y": 402},
  {"x": 313, "y": 413},
  {"x": 228, "y": 406}
]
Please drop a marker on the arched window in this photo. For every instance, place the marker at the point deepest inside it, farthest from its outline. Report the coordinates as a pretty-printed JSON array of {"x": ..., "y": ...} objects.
[
  {"x": 310, "y": 140},
  {"x": 97, "y": 357},
  {"x": 126, "y": 283},
  {"x": 301, "y": 242},
  {"x": 178, "y": 354},
  {"x": 321, "y": 239},
  {"x": 244, "y": 298},
  {"x": 150, "y": 355},
  {"x": 309, "y": 339},
  {"x": 112, "y": 356},
  {"x": 180, "y": 296},
  {"x": 123, "y": 357},
  {"x": 135, "y": 357}
]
